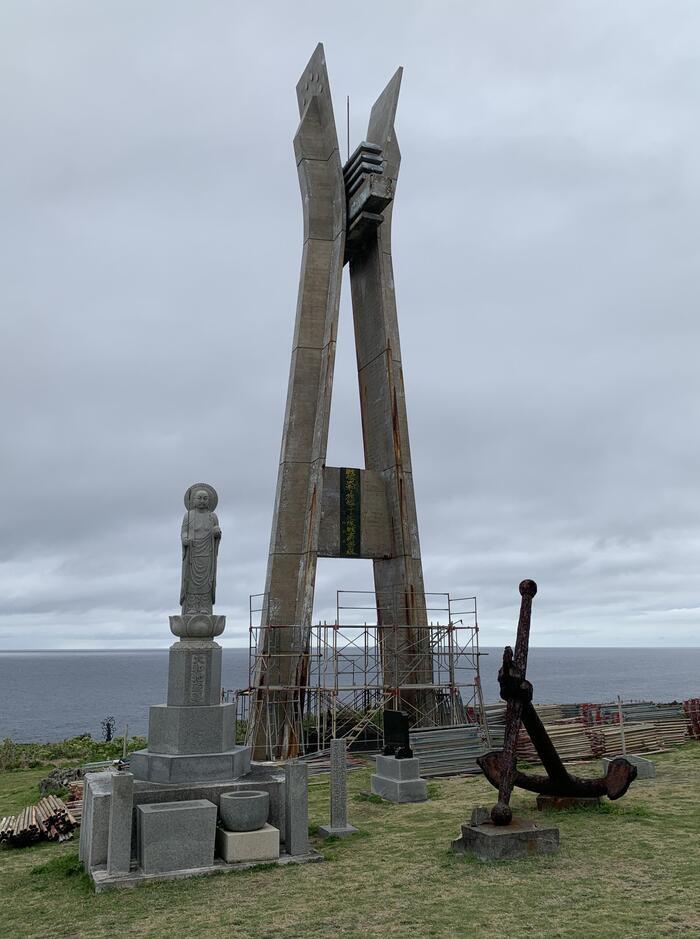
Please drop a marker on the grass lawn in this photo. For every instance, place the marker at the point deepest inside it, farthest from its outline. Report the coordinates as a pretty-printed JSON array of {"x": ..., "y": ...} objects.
[{"x": 628, "y": 869}]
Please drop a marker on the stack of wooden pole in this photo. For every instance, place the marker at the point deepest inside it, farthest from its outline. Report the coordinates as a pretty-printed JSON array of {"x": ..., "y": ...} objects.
[{"x": 48, "y": 820}]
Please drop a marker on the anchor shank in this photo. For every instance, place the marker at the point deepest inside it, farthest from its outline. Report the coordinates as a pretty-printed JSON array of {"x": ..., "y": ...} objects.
[
  {"x": 546, "y": 750},
  {"x": 512, "y": 676}
]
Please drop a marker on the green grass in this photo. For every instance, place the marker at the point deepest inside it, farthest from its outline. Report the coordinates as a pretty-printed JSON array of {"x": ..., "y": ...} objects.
[
  {"x": 626, "y": 869},
  {"x": 81, "y": 749}
]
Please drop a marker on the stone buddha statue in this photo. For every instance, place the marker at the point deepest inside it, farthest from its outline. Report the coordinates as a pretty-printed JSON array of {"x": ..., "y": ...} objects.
[{"x": 200, "y": 538}]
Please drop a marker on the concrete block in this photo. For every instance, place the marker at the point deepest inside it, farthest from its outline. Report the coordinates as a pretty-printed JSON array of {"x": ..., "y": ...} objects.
[
  {"x": 391, "y": 768},
  {"x": 94, "y": 828},
  {"x": 194, "y": 673},
  {"x": 296, "y": 786},
  {"x": 398, "y": 780},
  {"x": 208, "y": 729},
  {"x": 175, "y": 836},
  {"x": 120, "y": 821},
  {"x": 394, "y": 790},
  {"x": 645, "y": 768},
  {"x": 260, "y": 845},
  {"x": 190, "y": 768},
  {"x": 520, "y": 839}
]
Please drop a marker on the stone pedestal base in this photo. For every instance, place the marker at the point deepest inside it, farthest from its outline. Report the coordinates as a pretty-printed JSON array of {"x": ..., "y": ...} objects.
[
  {"x": 520, "y": 839},
  {"x": 398, "y": 780},
  {"x": 645, "y": 768},
  {"x": 190, "y": 767},
  {"x": 209, "y": 729},
  {"x": 566, "y": 802},
  {"x": 327, "y": 831},
  {"x": 260, "y": 845},
  {"x": 173, "y": 836}
]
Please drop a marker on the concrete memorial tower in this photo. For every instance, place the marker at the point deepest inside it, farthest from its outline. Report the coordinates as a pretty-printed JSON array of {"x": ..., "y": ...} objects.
[{"x": 324, "y": 511}]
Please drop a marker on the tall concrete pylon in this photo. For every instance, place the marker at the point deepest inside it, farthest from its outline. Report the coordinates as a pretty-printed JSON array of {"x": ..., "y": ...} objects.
[{"x": 323, "y": 511}]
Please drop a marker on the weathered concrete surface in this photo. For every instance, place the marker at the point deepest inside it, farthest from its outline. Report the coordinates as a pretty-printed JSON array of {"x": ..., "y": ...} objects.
[
  {"x": 120, "y": 823},
  {"x": 520, "y": 839},
  {"x": 263, "y": 844},
  {"x": 398, "y": 780},
  {"x": 176, "y": 836},
  {"x": 398, "y": 579},
  {"x": 645, "y": 768},
  {"x": 291, "y": 569}
]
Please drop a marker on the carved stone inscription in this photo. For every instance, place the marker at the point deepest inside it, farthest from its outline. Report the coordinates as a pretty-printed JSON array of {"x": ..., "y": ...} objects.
[{"x": 198, "y": 678}]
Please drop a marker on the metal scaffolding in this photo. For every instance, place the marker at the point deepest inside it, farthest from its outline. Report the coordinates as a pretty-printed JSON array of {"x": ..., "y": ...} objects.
[{"x": 367, "y": 661}]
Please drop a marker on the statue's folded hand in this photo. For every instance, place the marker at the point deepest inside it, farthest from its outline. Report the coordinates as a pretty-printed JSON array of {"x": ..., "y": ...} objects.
[{"x": 217, "y": 531}]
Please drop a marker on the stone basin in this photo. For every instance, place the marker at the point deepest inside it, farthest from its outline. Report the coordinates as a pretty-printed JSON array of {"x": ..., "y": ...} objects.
[{"x": 244, "y": 809}]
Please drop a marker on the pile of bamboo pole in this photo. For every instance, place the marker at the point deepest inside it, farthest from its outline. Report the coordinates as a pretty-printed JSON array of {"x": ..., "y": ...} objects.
[{"x": 48, "y": 820}]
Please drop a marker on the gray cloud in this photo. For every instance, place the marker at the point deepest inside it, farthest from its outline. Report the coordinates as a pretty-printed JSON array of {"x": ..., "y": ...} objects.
[{"x": 547, "y": 271}]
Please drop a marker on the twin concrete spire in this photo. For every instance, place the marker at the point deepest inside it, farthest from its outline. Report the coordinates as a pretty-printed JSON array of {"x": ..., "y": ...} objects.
[{"x": 323, "y": 511}]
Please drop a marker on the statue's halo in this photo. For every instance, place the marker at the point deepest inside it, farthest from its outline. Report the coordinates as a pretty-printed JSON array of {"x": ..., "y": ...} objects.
[{"x": 213, "y": 496}]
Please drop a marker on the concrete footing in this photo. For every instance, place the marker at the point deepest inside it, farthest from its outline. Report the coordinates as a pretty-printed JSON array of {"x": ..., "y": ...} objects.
[
  {"x": 398, "y": 780},
  {"x": 520, "y": 839},
  {"x": 645, "y": 768}
]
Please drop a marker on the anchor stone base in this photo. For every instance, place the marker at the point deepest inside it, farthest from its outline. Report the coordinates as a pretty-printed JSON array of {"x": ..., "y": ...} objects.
[{"x": 520, "y": 839}]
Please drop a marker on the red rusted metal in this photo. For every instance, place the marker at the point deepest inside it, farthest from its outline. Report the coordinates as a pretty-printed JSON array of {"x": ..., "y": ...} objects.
[{"x": 499, "y": 766}]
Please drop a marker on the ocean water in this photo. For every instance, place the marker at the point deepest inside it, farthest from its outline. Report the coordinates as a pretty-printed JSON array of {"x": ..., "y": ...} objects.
[{"x": 52, "y": 695}]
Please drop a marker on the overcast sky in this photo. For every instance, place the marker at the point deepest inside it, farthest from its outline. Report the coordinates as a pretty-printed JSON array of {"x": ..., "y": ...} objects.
[{"x": 547, "y": 265}]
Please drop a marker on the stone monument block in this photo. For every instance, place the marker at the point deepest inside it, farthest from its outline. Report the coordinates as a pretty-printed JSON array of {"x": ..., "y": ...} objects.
[
  {"x": 520, "y": 839},
  {"x": 94, "y": 825},
  {"x": 209, "y": 729},
  {"x": 398, "y": 780},
  {"x": 191, "y": 767},
  {"x": 296, "y": 815},
  {"x": 338, "y": 827},
  {"x": 263, "y": 844},
  {"x": 174, "y": 836},
  {"x": 120, "y": 821},
  {"x": 194, "y": 673}
]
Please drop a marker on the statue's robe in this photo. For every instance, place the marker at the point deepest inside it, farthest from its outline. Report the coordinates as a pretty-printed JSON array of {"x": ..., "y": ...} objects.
[{"x": 199, "y": 556}]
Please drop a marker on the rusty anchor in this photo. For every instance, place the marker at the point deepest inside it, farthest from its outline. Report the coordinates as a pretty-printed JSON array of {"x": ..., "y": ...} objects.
[{"x": 499, "y": 766}]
